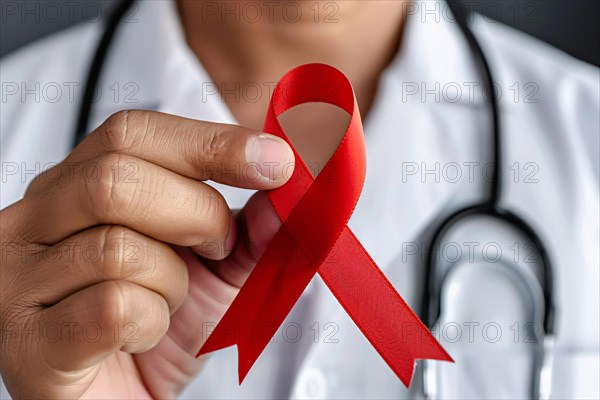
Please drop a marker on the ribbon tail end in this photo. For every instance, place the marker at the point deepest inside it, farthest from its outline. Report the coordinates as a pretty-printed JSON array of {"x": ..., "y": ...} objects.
[
  {"x": 242, "y": 372},
  {"x": 443, "y": 356},
  {"x": 433, "y": 352},
  {"x": 407, "y": 375},
  {"x": 208, "y": 348},
  {"x": 405, "y": 370},
  {"x": 213, "y": 344},
  {"x": 247, "y": 356}
]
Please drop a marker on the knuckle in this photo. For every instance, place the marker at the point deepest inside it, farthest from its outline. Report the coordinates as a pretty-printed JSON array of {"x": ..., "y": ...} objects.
[
  {"x": 125, "y": 128},
  {"x": 115, "y": 130},
  {"x": 103, "y": 191},
  {"x": 213, "y": 142},
  {"x": 121, "y": 252},
  {"x": 112, "y": 306}
]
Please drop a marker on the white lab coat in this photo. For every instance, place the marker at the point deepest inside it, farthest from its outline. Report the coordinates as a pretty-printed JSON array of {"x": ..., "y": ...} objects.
[{"x": 429, "y": 114}]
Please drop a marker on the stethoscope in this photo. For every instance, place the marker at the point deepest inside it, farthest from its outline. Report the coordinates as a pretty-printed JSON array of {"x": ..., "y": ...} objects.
[{"x": 435, "y": 274}]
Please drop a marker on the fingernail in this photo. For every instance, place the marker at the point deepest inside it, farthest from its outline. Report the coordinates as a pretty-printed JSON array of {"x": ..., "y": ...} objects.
[
  {"x": 271, "y": 156},
  {"x": 231, "y": 235}
]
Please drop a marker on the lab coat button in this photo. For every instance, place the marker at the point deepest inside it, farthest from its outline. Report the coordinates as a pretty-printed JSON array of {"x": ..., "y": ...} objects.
[{"x": 312, "y": 384}]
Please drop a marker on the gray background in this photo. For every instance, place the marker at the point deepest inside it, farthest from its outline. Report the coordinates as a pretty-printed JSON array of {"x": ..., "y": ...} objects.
[{"x": 571, "y": 25}]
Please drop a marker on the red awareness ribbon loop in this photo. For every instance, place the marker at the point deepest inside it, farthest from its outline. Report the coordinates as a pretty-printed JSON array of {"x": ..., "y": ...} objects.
[{"x": 314, "y": 238}]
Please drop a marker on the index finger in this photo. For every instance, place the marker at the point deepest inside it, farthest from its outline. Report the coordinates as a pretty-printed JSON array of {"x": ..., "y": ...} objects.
[{"x": 227, "y": 154}]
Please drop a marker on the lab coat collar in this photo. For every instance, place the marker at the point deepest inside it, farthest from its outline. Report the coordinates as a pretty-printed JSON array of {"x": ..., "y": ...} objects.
[
  {"x": 148, "y": 65},
  {"x": 435, "y": 57}
]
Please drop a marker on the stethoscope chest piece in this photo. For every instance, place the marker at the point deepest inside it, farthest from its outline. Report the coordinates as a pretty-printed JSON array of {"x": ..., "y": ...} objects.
[{"x": 486, "y": 300}]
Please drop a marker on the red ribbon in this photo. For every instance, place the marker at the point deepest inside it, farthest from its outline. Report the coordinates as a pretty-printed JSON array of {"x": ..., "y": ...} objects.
[{"x": 315, "y": 213}]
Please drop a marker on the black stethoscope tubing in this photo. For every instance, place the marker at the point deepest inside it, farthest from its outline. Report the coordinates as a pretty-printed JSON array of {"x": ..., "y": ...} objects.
[
  {"x": 431, "y": 306},
  {"x": 93, "y": 76},
  {"x": 431, "y": 300}
]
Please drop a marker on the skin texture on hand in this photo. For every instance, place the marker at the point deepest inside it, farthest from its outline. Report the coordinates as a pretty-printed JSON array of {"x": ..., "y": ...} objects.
[{"x": 109, "y": 276}]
